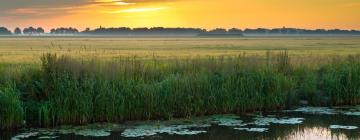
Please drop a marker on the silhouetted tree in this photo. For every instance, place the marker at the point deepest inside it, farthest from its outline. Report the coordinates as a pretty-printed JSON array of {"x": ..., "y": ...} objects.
[
  {"x": 40, "y": 30},
  {"x": 87, "y": 29},
  {"x": 235, "y": 31},
  {"x": 218, "y": 31},
  {"x": 17, "y": 30},
  {"x": 141, "y": 30},
  {"x": 257, "y": 31},
  {"x": 178, "y": 31},
  {"x": 30, "y": 30},
  {"x": 53, "y": 31},
  {"x": 4, "y": 31},
  {"x": 144, "y": 31},
  {"x": 63, "y": 30}
]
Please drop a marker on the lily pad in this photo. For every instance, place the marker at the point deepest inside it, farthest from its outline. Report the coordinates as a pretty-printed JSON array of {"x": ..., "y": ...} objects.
[
  {"x": 352, "y": 113},
  {"x": 343, "y": 127},
  {"x": 227, "y": 120},
  {"x": 25, "y": 135},
  {"x": 261, "y": 121},
  {"x": 253, "y": 129},
  {"x": 150, "y": 130},
  {"x": 48, "y": 137},
  {"x": 93, "y": 133},
  {"x": 315, "y": 110}
]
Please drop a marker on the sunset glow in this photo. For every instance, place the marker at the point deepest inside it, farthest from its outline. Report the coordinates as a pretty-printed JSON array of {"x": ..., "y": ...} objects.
[
  {"x": 208, "y": 14},
  {"x": 134, "y": 10}
]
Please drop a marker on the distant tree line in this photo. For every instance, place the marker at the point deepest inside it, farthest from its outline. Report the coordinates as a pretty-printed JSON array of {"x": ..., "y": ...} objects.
[
  {"x": 154, "y": 30},
  {"x": 221, "y": 31},
  {"x": 63, "y": 30},
  {"x": 299, "y": 31},
  {"x": 32, "y": 30},
  {"x": 175, "y": 31}
]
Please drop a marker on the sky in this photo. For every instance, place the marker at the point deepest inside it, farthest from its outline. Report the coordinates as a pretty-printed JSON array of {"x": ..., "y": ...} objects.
[{"x": 208, "y": 14}]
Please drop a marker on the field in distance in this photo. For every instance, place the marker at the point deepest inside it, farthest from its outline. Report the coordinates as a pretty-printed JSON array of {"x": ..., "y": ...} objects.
[{"x": 29, "y": 49}]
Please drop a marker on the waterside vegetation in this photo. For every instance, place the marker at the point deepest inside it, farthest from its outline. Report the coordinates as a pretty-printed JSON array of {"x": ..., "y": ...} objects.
[{"x": 65, "y": 90}]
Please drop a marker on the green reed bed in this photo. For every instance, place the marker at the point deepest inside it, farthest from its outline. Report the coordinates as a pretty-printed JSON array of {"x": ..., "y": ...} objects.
[{"x": 62, "y": 90}]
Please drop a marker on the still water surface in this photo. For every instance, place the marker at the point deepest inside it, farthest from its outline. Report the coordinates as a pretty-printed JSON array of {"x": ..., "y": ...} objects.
[{"x": 309, "y": 123}]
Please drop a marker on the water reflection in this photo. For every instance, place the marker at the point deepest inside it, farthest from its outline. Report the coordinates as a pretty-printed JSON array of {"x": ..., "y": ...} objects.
[
  {"x": 311, "y": 127},
  {"x": 315, "y": 133}
]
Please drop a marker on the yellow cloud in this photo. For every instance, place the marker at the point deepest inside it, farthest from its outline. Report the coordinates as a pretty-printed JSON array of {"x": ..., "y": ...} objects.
[
  {"x": 114, "y": 2},
  {"x": 136, "y": 10},
  {"x": 123, "y": 3}
]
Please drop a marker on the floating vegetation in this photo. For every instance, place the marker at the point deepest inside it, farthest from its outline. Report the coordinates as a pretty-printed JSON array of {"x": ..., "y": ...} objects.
[
  {"x": 267, "y": 121},
  {"x": 343, "y": 127},
  {"x": 326, "y": 111},
  {"x": 81, "y": 131},
  {"x": 25, "y": 135},
  {"x": 352, "y": 113},
  {"x": 53, "y": 133},
  {"x": 227, "y": 120},
  {"x": 194, "y": 126},
  {"x": 150, "y": 130},
  {"x": 93, "y": 133},
  {"x": 48, "y": 137},
  {"x": 253, "y": 129},
  {"x": 315, "y": 110}
]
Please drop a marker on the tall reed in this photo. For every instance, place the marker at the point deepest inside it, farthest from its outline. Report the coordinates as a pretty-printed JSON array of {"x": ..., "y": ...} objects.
[
  {"x": 64, "y": 90},
  {"x": 11, "y": 110}
]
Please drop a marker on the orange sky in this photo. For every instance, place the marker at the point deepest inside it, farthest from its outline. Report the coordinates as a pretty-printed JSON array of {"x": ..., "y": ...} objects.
[{"x": 208, "y": 14}]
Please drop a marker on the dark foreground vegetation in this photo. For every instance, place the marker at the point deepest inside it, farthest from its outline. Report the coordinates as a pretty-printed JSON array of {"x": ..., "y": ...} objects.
[{"x": 63, "y": 90}]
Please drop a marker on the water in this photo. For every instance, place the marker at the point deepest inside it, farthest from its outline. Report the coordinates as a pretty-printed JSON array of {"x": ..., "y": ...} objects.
[{"x": 299, "y": 124}]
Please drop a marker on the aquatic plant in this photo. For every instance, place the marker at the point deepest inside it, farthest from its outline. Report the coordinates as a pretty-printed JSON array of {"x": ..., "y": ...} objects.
[
  {"x": 11, "y": 110},
  {"x": 341, "y": 81},
  {"x": 65, "y": 90}
]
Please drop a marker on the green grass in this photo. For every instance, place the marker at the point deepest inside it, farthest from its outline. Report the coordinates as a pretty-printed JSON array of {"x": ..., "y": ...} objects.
[
  {"x": 11, "y": 108},
  {"x": 342, "y": 82},
  {"x": 307, "y": 49},
  {"x": 66, "y": 90}
]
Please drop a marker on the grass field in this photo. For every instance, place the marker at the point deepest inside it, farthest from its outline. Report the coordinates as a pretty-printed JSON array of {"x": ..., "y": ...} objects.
[
  {"x": 55, "y": 81},
  {"x": 20, "y": 50}
]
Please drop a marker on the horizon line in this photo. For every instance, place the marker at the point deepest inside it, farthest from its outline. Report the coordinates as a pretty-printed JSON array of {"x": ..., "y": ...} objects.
[{"x": 207, "y": 29}]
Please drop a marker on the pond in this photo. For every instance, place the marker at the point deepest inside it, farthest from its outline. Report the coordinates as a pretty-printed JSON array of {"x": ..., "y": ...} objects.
[{"x": 306, "y": 123}]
